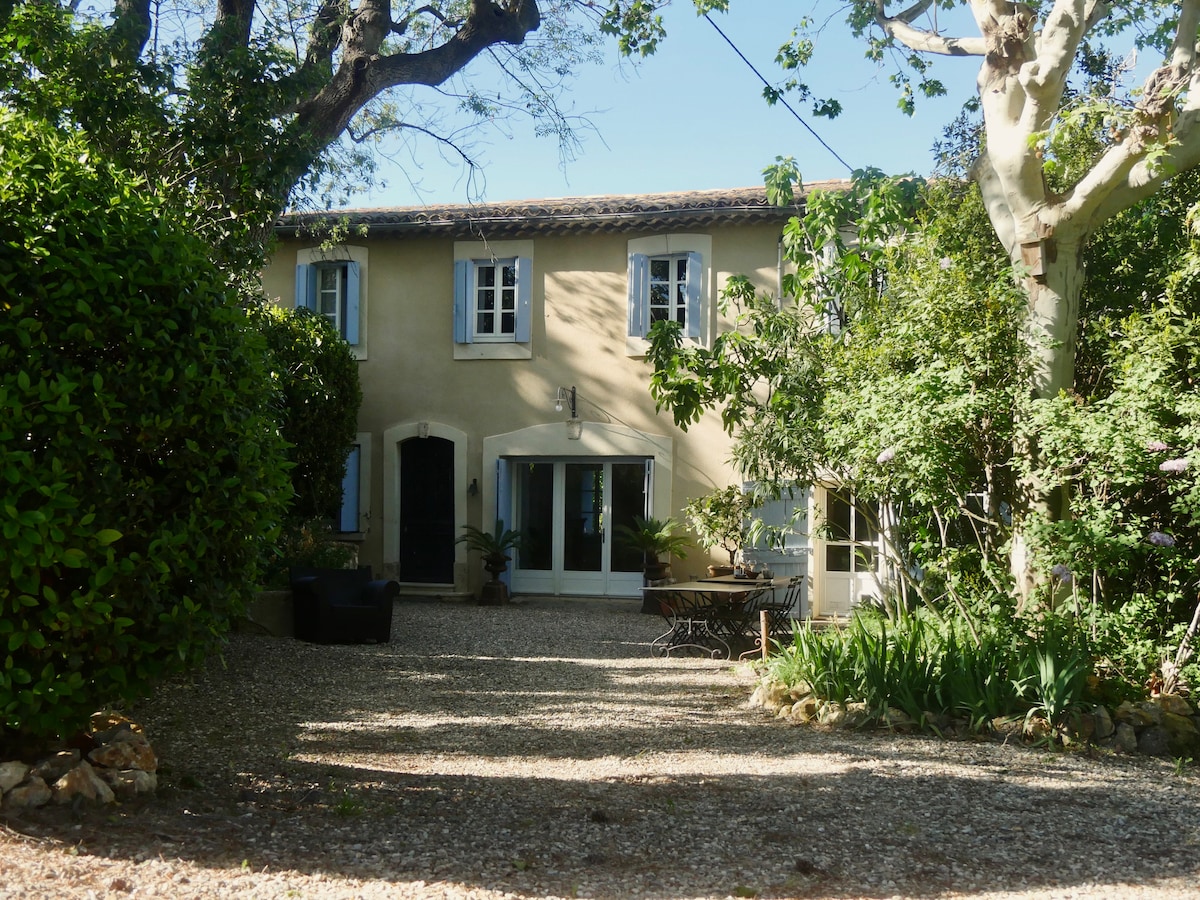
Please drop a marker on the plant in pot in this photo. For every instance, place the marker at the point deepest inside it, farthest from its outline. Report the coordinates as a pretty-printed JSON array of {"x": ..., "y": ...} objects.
[
  {"x": 494, "y": 548},
  {"x": 720, "y": 519},
  {"x": 654, "y": 538}
]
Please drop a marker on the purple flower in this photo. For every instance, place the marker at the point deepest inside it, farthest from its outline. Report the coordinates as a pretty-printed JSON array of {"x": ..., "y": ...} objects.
[
  {"x": 1156, "y": 446},
  {"x": 1159, "y": 539},
  {"x": 886, "y": 455},
  {"x": 1062, "y": 573},
  {"x": 945, "y": 262},
  {"x": 1174, "y": 466}
]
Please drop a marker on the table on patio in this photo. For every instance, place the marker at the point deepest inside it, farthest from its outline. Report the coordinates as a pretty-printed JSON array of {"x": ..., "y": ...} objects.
[{"x": 707, "y": 615}]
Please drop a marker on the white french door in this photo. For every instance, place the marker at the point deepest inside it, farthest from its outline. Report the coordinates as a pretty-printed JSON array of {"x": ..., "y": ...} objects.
[
  {"x": 568, "y": 511},
  {"x": 848, "y": 557}
]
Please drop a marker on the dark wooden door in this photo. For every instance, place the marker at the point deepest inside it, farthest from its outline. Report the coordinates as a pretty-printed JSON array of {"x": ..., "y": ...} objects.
[{"x": 427, "y": 510}]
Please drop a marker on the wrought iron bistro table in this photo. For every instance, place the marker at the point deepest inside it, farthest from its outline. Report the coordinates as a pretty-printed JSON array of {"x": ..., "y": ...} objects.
[{"x": 707, "y": 615}]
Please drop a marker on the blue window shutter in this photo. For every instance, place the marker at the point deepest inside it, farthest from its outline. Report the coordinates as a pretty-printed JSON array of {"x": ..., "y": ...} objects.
[
  {"x": 524, "y": 267},
  {"x": 463, "y": 270},
  {"x": 352, "y": 304},
  {"x": 695, "y": 277},
  {"x": 348, "y": 518},
  {"x": 306, "y": 286},
  {"x": 639, "y": 293}
]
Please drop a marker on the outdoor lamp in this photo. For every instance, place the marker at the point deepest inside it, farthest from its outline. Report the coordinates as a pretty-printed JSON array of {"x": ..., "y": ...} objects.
[{"x": 574, "y": 424}]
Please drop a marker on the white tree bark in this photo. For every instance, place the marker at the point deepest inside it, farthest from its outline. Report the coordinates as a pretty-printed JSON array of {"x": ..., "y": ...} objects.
[{"x": 1021, "y": 80}]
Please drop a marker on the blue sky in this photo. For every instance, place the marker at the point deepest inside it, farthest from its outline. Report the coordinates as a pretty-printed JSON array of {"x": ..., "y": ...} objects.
[{"x": 692, "y": 117}]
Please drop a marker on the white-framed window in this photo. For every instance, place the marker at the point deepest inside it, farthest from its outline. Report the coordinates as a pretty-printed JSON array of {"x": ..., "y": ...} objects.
[
  {"x": 665, "y": 288},
  {"x": 331, "y": 284},
  {"x": 493, "y": 299},
  {"x": 668, "y": 281}
]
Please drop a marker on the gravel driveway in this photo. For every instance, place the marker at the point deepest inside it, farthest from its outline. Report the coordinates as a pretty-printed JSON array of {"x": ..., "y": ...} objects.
[{"x": 537, "y": 750}]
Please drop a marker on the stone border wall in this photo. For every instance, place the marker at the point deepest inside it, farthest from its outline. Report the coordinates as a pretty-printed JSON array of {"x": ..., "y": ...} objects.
[{"x": 1164, "y": 725}]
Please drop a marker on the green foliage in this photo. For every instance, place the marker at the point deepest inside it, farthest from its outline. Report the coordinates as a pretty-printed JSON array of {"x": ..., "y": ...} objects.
[
  {"x": 217, "y": 148},
  {"x": 141, "y": 463},
  {"x": 235, "y": 112},
  {"x": 1053, "y": 666},
  {"x": 720, "y": 519},
  {"x": 653, "y": 537},
  {"x": 316, "y": 379},
  {"x": 492, "y": 545},
  {"x": 904, "y": 393},
  {"x": 309, "y": 545},
  {"x": 1010, "y": 666}
]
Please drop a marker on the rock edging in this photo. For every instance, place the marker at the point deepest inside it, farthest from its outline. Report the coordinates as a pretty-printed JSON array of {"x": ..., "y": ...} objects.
[
  {"x": 1163, "y": 725},
  {"x": 113, "y": 760}
]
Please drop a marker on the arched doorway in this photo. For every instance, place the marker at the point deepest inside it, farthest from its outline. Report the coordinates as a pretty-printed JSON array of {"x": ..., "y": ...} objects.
[{"x": 427, "y": 510}]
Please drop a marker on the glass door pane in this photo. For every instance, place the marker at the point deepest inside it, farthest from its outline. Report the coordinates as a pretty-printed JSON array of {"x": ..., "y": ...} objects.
[
  {"x": 583, "y": 517},
  {"x": 536, "y": 515},
  {"x": 628, "y": 500}
]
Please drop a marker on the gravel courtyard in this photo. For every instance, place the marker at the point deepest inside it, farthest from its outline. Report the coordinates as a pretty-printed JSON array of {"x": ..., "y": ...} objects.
[{"x": 538, "y": 751}]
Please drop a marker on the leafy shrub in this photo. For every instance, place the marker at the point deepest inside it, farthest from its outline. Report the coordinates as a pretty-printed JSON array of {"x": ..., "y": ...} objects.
[
  {"x": 304, "y": 544},
  {"x": 142, "y": 466},
  {"x": 316, "y": 376},
  {"x": 1003, "y": 666}
]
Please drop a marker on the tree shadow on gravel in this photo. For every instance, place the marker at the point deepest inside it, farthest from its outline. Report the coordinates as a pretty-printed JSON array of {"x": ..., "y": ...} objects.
[{"x": 453, "y": 758}]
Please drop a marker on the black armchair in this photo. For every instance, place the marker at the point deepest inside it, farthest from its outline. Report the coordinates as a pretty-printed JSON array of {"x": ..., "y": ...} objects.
[{"x": 342, "y": 606}]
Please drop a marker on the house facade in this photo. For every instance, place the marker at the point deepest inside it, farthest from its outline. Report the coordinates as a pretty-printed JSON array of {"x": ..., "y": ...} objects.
[{"x": 501, "y": 353}]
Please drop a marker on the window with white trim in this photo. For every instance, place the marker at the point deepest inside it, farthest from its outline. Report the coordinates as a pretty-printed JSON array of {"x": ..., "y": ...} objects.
[
  {"x": 664, "y": 289},
  {"x": 852, "y": 541},
  {"x": 492, "y": 297},
  {"x": 330, "y": 289},
  {"x": 331, "y": 283},
  {"x": 668, "y": 282},
  {"x": 493, "y": 300}
]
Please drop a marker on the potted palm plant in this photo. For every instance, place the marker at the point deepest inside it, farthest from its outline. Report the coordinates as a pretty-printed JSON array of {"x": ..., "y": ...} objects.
[
  {"x": 655, "y": 539},
  {"x": 720, "y": 519},
  {"x": 494, "y": 548}
]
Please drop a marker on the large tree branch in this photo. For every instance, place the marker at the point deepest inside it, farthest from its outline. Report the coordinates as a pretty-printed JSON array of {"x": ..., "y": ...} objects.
[
  {"x": 234, "y": 18},
  {"x": 130, "y": 29},
  {"x": 1146, "y": 176},
  {"x": 1130, "y": 170},
  {"x": 324, "y": 36},
  {"x": 923, "y": 40},
  {"x": 995, "y": 200},
  {"x": 364, "y": 74},
  {"x": 1045, "y": 76},
  {"x": 1183, "y": 49}
]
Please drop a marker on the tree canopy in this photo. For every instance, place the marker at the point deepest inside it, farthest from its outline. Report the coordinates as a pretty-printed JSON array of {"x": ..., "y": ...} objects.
[
  {"x": 236, "y": 105},
  {"x": 1055, "y": 158}
]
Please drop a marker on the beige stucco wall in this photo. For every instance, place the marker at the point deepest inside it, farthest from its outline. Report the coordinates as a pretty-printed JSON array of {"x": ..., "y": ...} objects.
[{"x": 410, "y": 375}]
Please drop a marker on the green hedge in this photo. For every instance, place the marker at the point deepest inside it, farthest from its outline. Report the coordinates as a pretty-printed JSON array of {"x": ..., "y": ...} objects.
[
  {"x": 142, "y": 468},
  {"x": 316, "y": 376}
]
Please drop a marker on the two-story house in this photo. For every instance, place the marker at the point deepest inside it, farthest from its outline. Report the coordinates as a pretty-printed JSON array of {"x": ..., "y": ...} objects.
[{"x": 503, "y": 373}]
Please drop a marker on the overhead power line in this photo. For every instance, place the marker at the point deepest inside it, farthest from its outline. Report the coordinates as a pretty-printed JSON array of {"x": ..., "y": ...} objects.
[{"x": 786, "y": 105}]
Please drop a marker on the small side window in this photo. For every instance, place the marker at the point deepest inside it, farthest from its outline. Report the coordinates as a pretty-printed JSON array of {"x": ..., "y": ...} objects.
[{"x": 331, "y": 289}]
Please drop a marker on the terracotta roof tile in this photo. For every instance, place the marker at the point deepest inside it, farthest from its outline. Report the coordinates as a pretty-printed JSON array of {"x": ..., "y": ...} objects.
[{"x": 566, "y": 215}]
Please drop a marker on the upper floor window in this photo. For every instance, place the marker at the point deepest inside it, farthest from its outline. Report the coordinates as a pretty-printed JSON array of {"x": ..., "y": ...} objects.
[
  {"x": 493, "y": 300},
  {"x": 493, "y": 292},
  {"x": 333, "y": 288},
  {"x": 669, "y": 281},
  {"x": 665, "y": 289}
]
